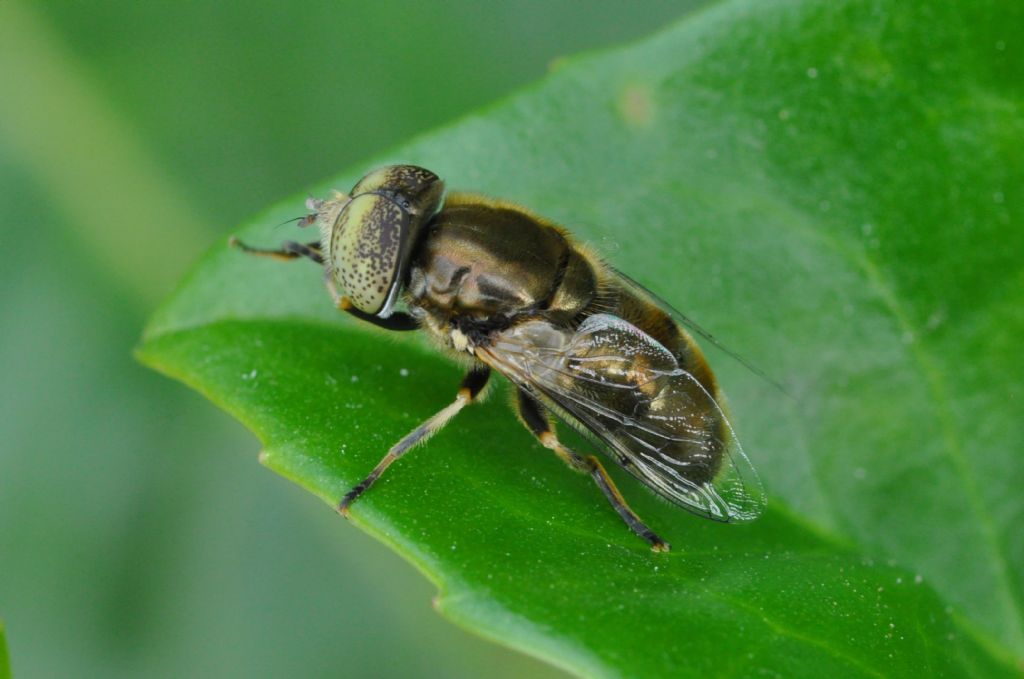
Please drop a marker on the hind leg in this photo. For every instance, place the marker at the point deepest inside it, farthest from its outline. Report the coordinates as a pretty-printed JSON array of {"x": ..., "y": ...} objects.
[{"x": 533, "y": 416}]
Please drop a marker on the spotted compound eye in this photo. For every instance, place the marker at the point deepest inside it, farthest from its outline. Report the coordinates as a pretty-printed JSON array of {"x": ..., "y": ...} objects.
[{"x": 373, "y": 238}]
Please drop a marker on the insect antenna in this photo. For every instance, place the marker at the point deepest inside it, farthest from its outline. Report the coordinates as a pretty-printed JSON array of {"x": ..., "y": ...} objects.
[{"x": 290, "y": 221}]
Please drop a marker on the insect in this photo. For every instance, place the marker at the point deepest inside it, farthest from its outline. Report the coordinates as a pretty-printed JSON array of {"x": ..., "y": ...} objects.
[{"x": 509, "y": 291}]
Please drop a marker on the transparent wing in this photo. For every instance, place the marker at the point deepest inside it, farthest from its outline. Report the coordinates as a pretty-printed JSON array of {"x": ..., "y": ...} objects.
[
  {"x": 643, "y": 293},
  {"x": 614, "y": 382}
]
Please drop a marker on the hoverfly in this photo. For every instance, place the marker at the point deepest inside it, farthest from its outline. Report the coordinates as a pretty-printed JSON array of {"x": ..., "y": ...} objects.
[{"x": 509, "y": 291}]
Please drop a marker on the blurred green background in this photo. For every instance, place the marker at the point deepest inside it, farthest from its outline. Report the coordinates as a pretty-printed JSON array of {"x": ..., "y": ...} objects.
[{"x": 138, "y": 534}]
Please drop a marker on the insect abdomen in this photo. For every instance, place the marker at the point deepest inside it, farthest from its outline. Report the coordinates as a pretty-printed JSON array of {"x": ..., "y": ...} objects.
[{"x": 698, "y": 429}]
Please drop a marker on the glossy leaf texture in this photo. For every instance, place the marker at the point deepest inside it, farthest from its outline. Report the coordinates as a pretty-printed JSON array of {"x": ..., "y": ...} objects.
[
  {"x": 833, "y": 188},
  {"x": 5, "y": 660}
]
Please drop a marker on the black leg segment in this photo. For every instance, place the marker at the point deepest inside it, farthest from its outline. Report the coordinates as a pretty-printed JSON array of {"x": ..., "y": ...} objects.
[
  {"x": 397, "y": 321},
  {"x": 288, "y": 250},
  {"x": 534, "y": 417}
]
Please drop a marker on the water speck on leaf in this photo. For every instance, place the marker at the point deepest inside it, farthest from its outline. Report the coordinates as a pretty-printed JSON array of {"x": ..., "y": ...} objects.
[
  {"x": 609, "y": 245},
  {"x": 404, "y": 372},
  {"x": 354, "y": 379},
  {"x": 860, "y": 473},
  {"x": 937, "y": 318},
  {"x": 812, "y": 72},
  {"x": 251, "y": 375},
  {"x": 918, "y": 579}
]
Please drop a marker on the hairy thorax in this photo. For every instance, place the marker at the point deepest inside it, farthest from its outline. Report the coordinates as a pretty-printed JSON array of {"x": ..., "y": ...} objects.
[{"x": 486, "y": 266}]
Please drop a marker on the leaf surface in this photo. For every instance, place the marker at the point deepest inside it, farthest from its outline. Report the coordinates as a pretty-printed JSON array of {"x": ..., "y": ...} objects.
[
  {"x": 5, "y": 660},
  {"x": 836, "y": 190}
]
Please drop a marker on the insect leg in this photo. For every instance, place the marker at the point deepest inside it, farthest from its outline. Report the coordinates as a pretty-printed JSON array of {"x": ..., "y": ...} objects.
[
  {"x": 288, "y": 250},
  {"x": 291, "y": 250},
  {"x": 396, "y": 321},
  {"x": 472, "y": 384},
  {"x": 535, "y": 419}
]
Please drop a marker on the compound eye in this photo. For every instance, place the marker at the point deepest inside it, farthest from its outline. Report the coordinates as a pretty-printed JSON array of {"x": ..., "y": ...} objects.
[
  {"x": 372, "y": 240},
  {"x": 367, "y": 248},
  {"x": 406, "y": 181}
]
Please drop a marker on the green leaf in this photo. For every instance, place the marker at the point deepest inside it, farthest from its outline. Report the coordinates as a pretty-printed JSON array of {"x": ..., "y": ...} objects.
[
  {"x": 834, "y": 188},
  {"x": 5, "y": 659}
]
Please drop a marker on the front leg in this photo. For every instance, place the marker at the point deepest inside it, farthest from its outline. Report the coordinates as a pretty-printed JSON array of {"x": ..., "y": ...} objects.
[
  {"x": 397, "y": 321},
  {"x": 289, "y": 250},
  {"x": 472, "y": 384}
]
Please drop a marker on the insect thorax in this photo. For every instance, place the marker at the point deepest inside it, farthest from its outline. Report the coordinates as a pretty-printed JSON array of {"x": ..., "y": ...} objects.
[{"x": 483, "y": 266}]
